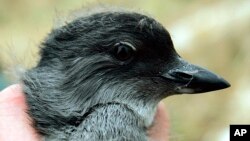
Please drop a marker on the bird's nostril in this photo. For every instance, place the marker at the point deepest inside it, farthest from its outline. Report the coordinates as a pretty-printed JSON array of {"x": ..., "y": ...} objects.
[{"x": 182, "y": 75}]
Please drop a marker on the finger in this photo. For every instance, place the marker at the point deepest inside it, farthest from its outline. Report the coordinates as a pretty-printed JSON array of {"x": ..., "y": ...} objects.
[
  {"x": 13, "y": 96},
  {"x": 160, "y": 129},
  {"x": 14, "y": 122}
]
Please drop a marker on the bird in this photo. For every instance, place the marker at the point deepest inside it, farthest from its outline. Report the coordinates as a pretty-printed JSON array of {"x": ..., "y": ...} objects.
[{"x": 101, "y": 76}]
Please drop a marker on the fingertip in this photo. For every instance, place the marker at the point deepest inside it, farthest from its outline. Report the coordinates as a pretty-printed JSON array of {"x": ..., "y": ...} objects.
[
  {"x": 13, "y": 95},
  {"x": 12, "y": 90},
  {"x": 161, "y": 105},
  {"x": 162, "y": 111}
]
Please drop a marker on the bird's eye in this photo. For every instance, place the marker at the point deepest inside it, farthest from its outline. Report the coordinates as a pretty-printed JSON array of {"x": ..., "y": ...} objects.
[{"x": 123, "y": 52}]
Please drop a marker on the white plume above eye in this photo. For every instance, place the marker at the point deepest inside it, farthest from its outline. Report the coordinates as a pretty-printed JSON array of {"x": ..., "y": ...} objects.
[{"x": 128, "y": 44}]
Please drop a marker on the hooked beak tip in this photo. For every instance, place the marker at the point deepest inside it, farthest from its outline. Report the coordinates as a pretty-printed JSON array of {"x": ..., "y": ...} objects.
[
  {"x": 198, "y": 81},
  {"x": 202, "y": 87}
]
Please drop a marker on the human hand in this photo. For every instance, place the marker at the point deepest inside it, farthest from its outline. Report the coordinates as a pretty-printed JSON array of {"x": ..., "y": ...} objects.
[{"x": 15, "y": 124}]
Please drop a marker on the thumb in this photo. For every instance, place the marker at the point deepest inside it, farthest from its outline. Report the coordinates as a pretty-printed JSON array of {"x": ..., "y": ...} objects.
[{"x": 14, "y": 121}]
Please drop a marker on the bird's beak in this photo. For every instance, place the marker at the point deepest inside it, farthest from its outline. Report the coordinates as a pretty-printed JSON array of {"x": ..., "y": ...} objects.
[{"x": 193, "y": 79}]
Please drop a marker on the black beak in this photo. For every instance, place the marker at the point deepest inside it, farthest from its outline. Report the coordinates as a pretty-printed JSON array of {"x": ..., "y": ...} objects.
[{"x": 193, "y": 79}]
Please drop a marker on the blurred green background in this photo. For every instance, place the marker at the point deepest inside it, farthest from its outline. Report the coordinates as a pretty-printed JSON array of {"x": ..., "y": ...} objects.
[{"x": 211, "y": 33}]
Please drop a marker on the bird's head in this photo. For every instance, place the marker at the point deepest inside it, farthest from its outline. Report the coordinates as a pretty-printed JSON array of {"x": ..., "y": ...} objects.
[{"x": 122, "y": 57}]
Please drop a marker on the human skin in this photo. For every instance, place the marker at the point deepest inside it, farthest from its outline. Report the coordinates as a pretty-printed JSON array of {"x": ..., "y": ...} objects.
[{"x": 16, "y": 125}]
